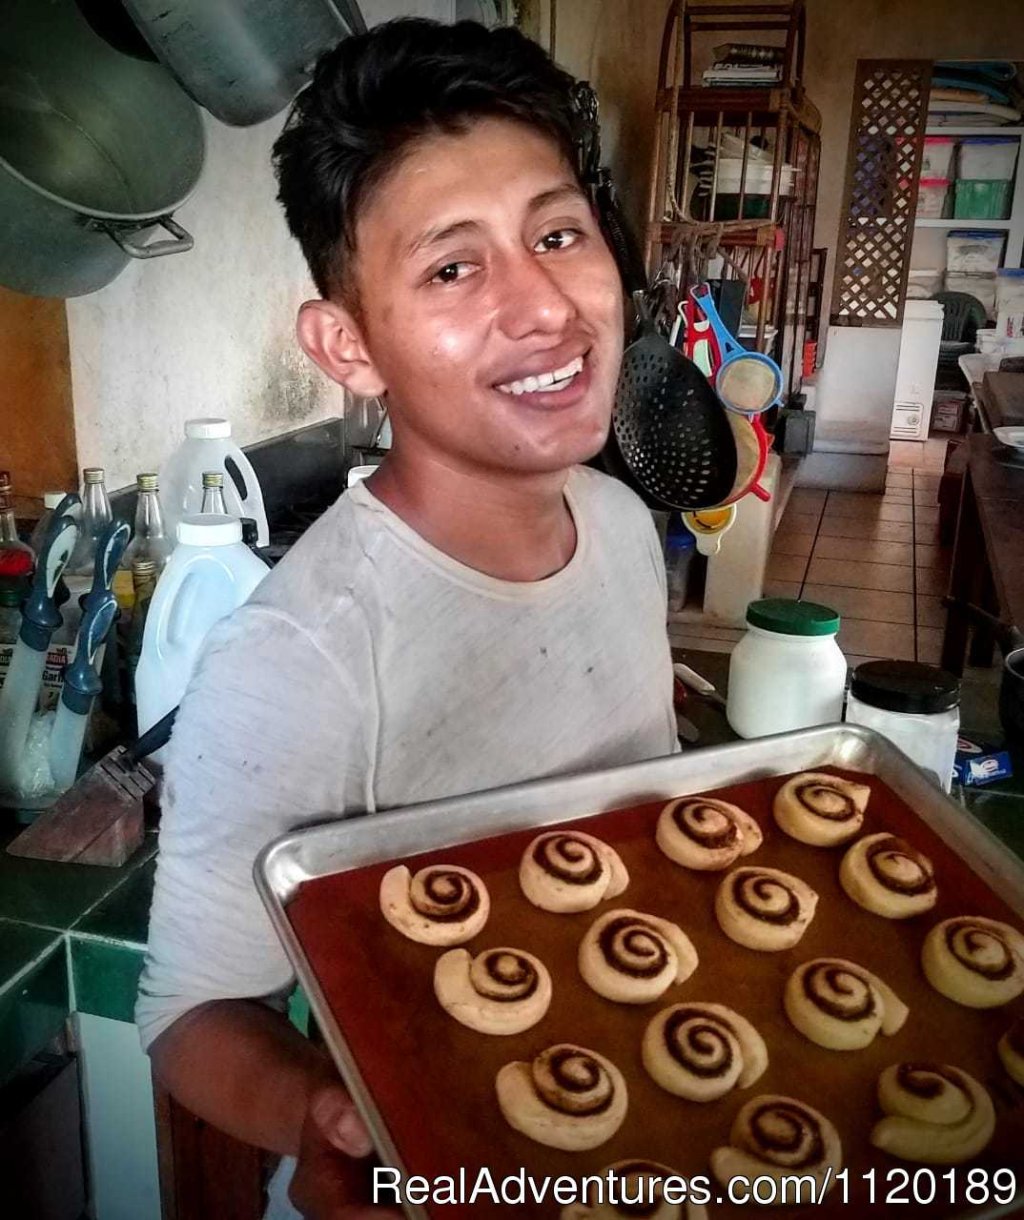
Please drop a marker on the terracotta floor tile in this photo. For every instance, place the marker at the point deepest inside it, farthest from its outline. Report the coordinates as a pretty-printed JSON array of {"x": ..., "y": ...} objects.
[
  {"x": 933, "y": 582},
  {"x": 853, "y": 503},
  {"x": 878, "y": 508},
  {"x": 866, "y": 527},
  {"x": 930, "y": 611},
  {"x": 899, "y": 495},
  {"x": 866, "y": 550},
  {"x": 899, "y": 478},
  {"x": 929, "y": 644},
  {"x": 926, "y": 497},
  {"x": 926, "y": 556},
  {"x": 799, "y": 523},
  {"x": 781, "y": 588},
  {"x": 906, "y": 454},
  {"x": 787, "y": 542},
  {"x": 807, "y": 499},
  {"x": 865, "y": 638},
  {"x": 786, "y": 567},
  {"x": 927, "y": 532},
  {"x": 876, "y": 604},
  {"x": 889, "y": 576},
  {"x": 926, "y": 514}
]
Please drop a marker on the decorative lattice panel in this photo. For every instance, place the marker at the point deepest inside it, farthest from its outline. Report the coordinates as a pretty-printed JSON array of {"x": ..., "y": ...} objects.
[{"x": 890, "y": 104}]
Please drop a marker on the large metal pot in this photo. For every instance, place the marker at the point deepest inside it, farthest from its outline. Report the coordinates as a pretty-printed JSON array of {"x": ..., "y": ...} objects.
[
  {"x": 244, "y": 60},
  {"x": 96, "y": 151}
]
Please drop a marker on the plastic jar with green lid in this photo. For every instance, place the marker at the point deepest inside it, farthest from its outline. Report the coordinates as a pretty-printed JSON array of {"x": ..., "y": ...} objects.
[{"x": 788, "y": 671}]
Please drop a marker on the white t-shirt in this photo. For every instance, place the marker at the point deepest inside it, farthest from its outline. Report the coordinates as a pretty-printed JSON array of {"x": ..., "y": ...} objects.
[{"x": 370, "y": 670}]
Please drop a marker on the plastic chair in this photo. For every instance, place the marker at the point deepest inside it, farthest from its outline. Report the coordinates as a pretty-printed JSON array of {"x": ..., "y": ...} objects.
[{"x": 964, "y": 314}]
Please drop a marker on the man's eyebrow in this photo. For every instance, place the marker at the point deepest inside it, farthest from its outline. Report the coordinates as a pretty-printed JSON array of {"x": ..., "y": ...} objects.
[{"x": 432, "y": 237}]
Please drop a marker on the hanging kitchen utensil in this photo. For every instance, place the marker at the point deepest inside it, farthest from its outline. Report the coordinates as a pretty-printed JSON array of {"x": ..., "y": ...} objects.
[
  {"x": 708, "y": 525},
  {"x": 243, "y": 61},
  {"x": 746, "y": 382}
]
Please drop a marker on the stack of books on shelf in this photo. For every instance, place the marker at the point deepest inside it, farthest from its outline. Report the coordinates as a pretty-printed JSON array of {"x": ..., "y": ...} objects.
[{"x": 745, "y": 64}]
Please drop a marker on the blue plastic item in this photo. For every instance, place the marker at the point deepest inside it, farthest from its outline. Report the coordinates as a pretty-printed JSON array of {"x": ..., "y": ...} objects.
[{"x": 746, "y": 382}]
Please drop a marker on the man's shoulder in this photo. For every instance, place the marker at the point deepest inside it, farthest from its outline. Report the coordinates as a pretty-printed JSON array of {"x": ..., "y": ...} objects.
[{"x": 604, "y": 494}]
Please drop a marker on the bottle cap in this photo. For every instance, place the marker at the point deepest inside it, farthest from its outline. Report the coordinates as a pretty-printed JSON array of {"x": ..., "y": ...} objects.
[
  {"x": 213, "y": 478},
  {"x": 207, "y": 428},
  {"x": 789, "y": 617},
  {"x": 209, "y": 529},
  {"x": 148, "y": 482},
  {"x": 905, "y": 686},
  {"x": 93, "y": 474}
]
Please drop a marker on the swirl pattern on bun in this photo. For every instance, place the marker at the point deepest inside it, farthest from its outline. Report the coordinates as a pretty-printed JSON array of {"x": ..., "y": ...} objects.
[
  {"x": 935, "y": 1114},
  {"x": 567, "y": 870},
  {"x": 764, "y": 908},
  {"x": 568, "y": 1097},
  {"x": 840, "y": 1005},
  {"x": 500, "y": 991},
  {"x": 701, "y": 1051},
  {"x": 633, "y": 958},
  {"x": 975, "y": 961},
  {"x": 703, "y": 833},
  {"x": 441, "y": 905},
  {"x": 820, "y": 809},
  {"x": 885, "y": 875}
]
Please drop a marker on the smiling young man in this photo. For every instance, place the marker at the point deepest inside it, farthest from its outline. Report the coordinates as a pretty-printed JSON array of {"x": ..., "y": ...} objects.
[{"x": 483, "y": 610}]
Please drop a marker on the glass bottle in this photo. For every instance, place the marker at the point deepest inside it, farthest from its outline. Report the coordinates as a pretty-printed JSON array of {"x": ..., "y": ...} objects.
[
  {"x": 10, "y": 624},
  {"x": 96, "y": 516},
  {"x": 17, "y": 559},
  {"x": 144, "y": 578},
  {"x": 213, "y": 493}
]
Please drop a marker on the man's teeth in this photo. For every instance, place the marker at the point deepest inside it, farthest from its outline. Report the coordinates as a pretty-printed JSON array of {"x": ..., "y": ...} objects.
[{"x": 557, "y": 379}]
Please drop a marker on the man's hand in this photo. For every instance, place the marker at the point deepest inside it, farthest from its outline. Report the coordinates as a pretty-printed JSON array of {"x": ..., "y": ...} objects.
[{"x": 332, "y": 1178}]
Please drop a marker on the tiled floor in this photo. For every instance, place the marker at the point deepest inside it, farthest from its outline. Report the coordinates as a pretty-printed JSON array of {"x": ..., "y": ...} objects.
[{"x": 876, "y": 559}]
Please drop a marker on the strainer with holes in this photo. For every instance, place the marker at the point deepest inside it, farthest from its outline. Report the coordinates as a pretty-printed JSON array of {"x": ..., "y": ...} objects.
[{"x": 670, "y": 427}]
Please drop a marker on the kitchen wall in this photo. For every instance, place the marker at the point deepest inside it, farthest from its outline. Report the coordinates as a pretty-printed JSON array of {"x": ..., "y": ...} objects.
[{"x": 210, "y": 332}]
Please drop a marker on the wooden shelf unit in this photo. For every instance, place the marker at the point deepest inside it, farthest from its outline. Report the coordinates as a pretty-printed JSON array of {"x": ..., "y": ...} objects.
[{"x": 773, "y": 251}]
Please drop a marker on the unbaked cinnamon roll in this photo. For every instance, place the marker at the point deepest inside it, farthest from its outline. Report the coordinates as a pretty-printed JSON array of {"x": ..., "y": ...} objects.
[
  {"x": 936, "y": 1114},
  {"x": 500, "y": 991},
  {"x": 634, "y": 958},
  {"x": 779, "y": 1137},
  {"x": 1011, "y": 1051},
  {"x": 888, "y": 877},
  {"x": 840, "y": 1005},
  {"x": 701, "y": 832},
  {"x": 567, "y": 870},
  {"x": 702, "y": 1051},
  {"x": 568, "y": 1097},
  {"x": 764, "y": 908},
  {"x": 819, "y": 809},
  {"x": 441, "y": 905},
  {"x": 975, "y": 961},
  {"x": 638, "y": 1194}
]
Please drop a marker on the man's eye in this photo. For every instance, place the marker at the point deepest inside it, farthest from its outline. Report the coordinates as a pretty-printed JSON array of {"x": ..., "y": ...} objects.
[
  {"x": 559, "y": 239},
  {"x": 450, "y": 273}
]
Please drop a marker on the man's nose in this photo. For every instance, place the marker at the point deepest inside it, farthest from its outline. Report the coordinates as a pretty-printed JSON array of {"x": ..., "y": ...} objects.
[{"x": 531, "y": 299}]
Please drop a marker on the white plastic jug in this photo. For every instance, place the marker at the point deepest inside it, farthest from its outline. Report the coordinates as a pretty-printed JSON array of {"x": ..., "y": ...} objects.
[
  {"x": 207, "y": 446},
  {"x": 209, "y": 574}
]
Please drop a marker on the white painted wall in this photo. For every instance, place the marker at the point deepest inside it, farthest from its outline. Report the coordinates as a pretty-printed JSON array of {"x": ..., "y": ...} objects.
[
  {"x": 117, "y": 1091},
  {"x": 210, "y": 332}
]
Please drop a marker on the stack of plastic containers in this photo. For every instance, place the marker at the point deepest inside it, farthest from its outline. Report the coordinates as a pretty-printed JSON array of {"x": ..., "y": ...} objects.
[
  {"x": 984, "y": 183},
  {"x": 973, "y": 257}
]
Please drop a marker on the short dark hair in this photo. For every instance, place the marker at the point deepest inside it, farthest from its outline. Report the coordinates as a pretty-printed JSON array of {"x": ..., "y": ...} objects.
[{"x": 372, "y": 96}]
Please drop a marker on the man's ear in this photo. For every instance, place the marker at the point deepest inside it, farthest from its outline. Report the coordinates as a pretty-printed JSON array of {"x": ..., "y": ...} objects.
[{"x": 331, "y": 337}]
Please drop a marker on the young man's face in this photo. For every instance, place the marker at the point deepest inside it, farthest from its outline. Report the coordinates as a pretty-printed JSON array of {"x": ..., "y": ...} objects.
[{"x": 481, "y": 273}]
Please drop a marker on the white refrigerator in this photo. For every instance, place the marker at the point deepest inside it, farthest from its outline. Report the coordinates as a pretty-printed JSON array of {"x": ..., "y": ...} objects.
[{"x": 915, "y": 374}]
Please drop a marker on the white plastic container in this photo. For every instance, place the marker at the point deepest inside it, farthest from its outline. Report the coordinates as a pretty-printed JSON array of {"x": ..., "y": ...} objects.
[
  {"x": 931, "y": 197},
  {"x": 758, "y": 177},
  {"x": 210, "y": 573},
  {"x": 974, "y": 251},
  {"x": 992, "y": 158},
  {"x": 208, "y": 446},
  {"x": 787, "y": 672},
  {"x": 937, "y": 158},
  {"x": 981, "y": 287},
  {"x": 916, "y": 706},
  {"x": 924, "y": 283},
  {"x": 1009, "y": 309}
]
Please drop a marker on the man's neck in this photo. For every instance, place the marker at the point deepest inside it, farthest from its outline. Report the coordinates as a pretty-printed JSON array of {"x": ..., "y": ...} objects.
[{"x": 512, "y": 529}]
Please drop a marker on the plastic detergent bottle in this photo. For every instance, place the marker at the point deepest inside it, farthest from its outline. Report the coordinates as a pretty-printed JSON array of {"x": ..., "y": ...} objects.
[
  {"x": 208, "y": 447},
  {"x": 209, "y": 574}
]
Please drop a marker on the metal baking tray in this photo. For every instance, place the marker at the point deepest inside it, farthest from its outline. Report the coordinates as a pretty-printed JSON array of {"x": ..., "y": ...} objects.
[{"x": 356, "y": 842}]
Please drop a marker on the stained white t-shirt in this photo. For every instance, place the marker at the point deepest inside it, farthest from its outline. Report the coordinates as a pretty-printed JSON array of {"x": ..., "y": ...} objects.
[{"x": 370, "y": 670}]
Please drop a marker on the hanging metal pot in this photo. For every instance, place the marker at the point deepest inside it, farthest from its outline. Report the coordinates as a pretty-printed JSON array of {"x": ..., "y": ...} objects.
[
  {"x": 97, "y": 150},
  {"x": 243, "y": 61}
]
